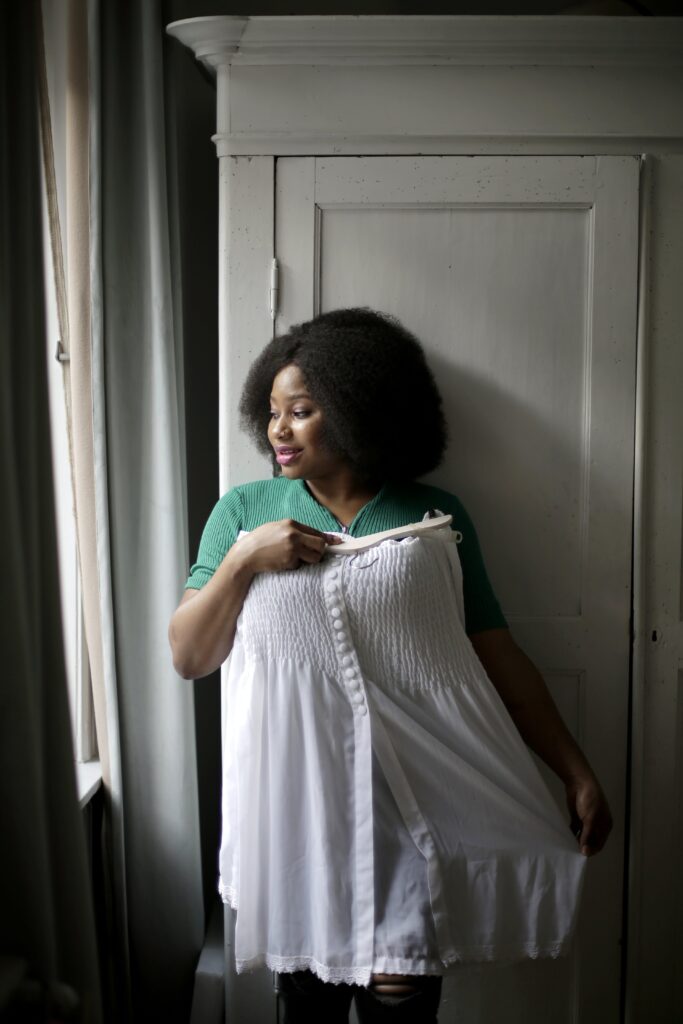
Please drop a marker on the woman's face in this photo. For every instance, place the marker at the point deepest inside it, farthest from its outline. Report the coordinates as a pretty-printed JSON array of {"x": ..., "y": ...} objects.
[{"x": 296, "y": 427}]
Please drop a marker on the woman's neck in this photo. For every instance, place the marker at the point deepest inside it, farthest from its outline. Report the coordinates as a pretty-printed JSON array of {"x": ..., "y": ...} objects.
[{"x": 344, "y": 495}]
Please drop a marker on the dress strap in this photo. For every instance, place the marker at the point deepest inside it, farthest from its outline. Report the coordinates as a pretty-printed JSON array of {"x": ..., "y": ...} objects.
[{"x": 350, "y": 545}]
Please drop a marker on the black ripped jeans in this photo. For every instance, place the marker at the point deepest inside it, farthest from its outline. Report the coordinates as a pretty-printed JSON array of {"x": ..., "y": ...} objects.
[{"x": 305, "y": 999}]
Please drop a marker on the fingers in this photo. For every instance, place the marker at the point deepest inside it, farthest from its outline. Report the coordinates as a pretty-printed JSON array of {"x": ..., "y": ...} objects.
[
  {"x": 590, "y": 817},
  {"x": 311, "y": 549},
  {"x": 303, "y": 543},
  {"x": 329, "y": 538},
  {"x": 596, "y": 827},
  {"x": 284, "y": 544},
  {"x": 588, "y": 842}
]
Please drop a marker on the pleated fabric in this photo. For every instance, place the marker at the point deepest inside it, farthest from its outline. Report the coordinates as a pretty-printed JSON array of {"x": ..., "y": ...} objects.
[{"x": 381, "y": 812}]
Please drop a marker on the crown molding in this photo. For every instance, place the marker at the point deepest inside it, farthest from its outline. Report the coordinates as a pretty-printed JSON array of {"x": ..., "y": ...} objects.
[
  {"x": 215, "y": 40},
  {"x": 449, "y": 40},
  {"x": 538, "y": 144}
]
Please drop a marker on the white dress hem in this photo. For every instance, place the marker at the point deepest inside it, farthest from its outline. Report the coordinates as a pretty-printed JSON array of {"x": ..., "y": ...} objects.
[{"x": 492, "y": 955}]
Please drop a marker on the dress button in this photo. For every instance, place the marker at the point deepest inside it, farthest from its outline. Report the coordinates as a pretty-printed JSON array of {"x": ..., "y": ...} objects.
[
  {"x": 335, "y": 610},
  {"x": 350, "y": 673},
  {"x": 334, "y": 574},
  {"x": 347, "y": 660},
  {"x": 362, "y": 709},
  {"x": 355, "y": 686},
  {"x": 343, "y": 646},
  {"x": 337, "y": 623}
]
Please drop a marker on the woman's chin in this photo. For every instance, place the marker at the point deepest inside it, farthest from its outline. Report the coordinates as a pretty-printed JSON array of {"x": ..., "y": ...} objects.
[{"x": 292, "y": 472}]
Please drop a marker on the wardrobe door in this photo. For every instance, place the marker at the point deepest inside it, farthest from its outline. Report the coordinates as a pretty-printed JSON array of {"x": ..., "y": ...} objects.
[{"x": 519, "y": 275}]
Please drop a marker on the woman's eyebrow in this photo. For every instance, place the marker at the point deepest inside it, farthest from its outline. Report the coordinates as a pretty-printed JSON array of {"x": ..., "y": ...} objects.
[{"x": 292, "y": 398}]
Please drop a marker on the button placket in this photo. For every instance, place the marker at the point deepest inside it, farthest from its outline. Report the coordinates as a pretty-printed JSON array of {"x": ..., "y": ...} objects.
[{"x": 349, "y": 669}]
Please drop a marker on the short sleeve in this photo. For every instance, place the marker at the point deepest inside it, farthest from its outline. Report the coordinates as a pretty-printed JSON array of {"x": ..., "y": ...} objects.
[
  {"x": 482, "y": 610},
  {"x": 220, "y": 533}
]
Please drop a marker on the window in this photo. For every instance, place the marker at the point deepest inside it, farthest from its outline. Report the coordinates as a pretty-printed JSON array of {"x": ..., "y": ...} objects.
[{"x": 75, "y": 650}]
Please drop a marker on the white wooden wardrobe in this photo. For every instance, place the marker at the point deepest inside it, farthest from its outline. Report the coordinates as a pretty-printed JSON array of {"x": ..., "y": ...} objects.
[{"x": 512, "y": 190}]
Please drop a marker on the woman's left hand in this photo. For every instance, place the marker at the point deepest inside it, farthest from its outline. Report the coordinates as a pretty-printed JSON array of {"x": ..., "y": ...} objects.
[{"x": 591, "y": 820}]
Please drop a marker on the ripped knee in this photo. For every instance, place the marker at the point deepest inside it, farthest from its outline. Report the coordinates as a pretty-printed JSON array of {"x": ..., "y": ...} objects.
[{"x": 393, "y": 984}]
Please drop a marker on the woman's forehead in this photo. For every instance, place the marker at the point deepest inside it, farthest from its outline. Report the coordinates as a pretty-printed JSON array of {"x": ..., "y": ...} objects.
[{"x": 289, "y": 383}]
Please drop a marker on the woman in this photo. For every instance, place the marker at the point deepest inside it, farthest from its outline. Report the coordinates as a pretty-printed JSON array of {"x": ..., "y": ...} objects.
[{"x": 383, "y": 820}]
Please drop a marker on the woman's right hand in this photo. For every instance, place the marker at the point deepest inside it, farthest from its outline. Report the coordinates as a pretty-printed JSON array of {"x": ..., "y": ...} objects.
[
  {"x": 285, "y": 544},
  {"x": 202, "y": 628}
]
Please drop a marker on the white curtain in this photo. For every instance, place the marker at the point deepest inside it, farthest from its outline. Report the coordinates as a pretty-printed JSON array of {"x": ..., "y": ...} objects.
[
  {"x": 47, "y": 932},
  {"x": 128, "y": 461}
]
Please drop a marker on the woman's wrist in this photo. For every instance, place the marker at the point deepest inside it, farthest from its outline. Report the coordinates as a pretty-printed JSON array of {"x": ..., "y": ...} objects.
[
  {"x": 578, "y": 771},
  {"x": 240, "y": 563}
]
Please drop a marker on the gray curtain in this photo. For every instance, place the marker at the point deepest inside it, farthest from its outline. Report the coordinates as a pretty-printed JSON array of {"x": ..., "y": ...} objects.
[
  {"x": 141, "y": 373},
  {"x": 126, "y": 387},
  {"x": 46, "y": 919}
]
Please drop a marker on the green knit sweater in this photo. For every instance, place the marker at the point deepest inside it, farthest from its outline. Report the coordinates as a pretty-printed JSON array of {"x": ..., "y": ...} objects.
[{"x": 264, "y": 501}]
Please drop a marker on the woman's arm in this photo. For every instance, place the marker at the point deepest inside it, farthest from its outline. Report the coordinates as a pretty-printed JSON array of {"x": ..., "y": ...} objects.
[
  {"x": 526, "y": 697},
  {"x": 202, "y": 628}
]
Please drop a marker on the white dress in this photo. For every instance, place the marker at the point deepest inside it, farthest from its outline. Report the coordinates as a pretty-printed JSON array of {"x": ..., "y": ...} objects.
[{"x": 381, "y": 812}]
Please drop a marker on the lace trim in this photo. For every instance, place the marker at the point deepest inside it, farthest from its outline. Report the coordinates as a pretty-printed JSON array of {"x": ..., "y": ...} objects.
[
  {"x": 288, "y": 964},
  {"x": 228, "y": 894},
  {"x": 471, "y": 955}
]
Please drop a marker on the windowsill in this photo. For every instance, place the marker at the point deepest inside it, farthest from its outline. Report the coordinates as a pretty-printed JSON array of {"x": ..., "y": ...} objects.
[{"x": 88, "y": 780}]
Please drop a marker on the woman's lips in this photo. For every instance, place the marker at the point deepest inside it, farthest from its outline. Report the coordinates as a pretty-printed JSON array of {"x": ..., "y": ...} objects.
[{"x": 285, "y": 456}]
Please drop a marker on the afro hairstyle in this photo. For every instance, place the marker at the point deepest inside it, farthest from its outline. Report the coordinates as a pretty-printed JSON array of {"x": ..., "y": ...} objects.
[{"x": 382, "y": 409}]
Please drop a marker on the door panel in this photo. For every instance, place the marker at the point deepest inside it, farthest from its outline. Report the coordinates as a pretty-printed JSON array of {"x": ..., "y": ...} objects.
[
  {"x": 476, "y": 316},
  {"x": 519, "y": 276}
]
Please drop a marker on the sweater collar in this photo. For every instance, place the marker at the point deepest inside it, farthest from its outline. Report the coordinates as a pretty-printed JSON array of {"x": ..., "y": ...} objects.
[{"x": 333, "y": 527}]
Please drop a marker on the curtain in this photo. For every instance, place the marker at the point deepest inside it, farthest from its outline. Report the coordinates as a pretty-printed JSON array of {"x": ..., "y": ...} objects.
[
  {"x": 130, "y": 499},
  {"x": 141, "y": 367},
  {"x": 46, "y": 918}
]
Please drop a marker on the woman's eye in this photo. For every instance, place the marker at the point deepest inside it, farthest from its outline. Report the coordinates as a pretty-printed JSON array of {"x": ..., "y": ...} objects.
[
  {"x": 272, "y": 414},
  {"x": 302, "y": 413}
]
